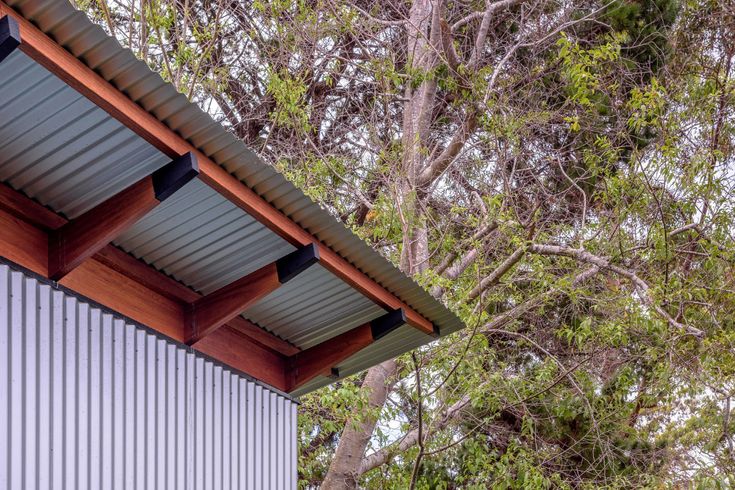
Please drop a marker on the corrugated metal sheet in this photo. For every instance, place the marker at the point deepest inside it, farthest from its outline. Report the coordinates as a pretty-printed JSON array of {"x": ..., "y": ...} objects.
[
  {"x": 313, "y": 307},
  {"x": 60, "y": 148},
  {"x": 88, "y": 401},
  {"x": 202, "y": 239}
]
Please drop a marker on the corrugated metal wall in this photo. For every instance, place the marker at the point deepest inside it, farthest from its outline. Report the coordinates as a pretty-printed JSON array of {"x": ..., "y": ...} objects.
[{"x": 88, "y": 401}]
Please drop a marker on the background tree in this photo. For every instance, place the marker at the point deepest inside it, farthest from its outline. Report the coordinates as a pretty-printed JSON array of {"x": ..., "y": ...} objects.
[{"x": 560, "y": 173}]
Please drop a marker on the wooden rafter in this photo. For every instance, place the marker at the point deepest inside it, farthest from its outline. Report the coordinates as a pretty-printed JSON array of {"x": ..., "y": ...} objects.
[
  {"x": 84, "y": 236},
  {"x": 210, "y": 312},
  {"x": 67, "y": 67},
  {"x": 117, "y": 260},
  {"x": 323, "y": 358}
]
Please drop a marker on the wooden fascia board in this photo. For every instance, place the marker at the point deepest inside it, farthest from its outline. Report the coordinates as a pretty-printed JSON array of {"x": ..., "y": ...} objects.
[{"x": 76, "y": 74}]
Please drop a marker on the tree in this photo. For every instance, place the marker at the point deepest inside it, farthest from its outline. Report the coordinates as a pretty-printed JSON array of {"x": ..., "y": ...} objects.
[{"x": 558, "y": 172}]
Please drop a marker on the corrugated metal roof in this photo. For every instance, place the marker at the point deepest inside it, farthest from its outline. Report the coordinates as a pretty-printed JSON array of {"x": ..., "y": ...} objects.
[
  {"x": 202, "y": 239},
  {"x": 313, "y": 307},
  {"x": 99, "y": 158}
]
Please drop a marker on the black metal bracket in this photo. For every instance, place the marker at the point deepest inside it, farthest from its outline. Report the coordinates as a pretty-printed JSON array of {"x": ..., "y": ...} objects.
[
  {"x": 169, "y": 179},
  {"x": 436, "y": 333},
  {"x": 9, "y": 36},
  {"x": 297, "y": 262},
  {"x": 334, "y": 373},
  {"x": 382, "y": 326}
]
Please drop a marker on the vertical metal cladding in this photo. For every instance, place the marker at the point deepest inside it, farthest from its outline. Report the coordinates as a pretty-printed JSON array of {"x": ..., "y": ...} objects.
[{"x": 88, "y": 401}]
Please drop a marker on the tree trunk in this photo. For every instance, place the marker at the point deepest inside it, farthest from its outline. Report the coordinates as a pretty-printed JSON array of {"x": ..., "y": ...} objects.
[
  {"x": 343, "y": 471},
  {"x": 422, "y": 51},
  {"x": 424, "y": 44}
]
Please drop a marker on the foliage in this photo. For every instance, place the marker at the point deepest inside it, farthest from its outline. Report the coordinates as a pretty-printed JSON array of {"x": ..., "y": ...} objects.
[{"x": 560, "y": 173}]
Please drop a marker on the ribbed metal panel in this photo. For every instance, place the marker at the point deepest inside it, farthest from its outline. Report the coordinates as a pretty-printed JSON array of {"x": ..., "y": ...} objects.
[
  {"x": 202, "y": 239},
  {"x": 313, "y": 307},
  {"x": 60, "y": 148},
  {"x": 89, "y": 401}
]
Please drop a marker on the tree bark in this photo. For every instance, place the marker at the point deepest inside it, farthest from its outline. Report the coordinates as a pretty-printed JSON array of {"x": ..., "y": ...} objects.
[
  {"x": 424, "y": 46},
  {"x": 344, "y": 470},
  {"x": 424, "y": 43}
]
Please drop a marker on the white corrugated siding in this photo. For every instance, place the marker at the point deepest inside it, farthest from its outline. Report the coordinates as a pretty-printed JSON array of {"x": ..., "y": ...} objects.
[{"x": 88, "y": 401}]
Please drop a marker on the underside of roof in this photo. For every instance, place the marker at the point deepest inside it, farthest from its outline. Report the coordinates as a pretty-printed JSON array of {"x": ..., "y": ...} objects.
[{"x": 60, "y": 149}]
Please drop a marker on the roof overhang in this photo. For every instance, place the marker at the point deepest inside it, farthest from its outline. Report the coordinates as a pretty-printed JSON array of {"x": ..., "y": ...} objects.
[{"x": 118, "y": 203}]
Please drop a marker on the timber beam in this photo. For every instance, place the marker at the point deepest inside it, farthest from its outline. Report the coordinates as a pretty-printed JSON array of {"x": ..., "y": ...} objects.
[
  {"x": 210, "y": 312},
  {"x": 84, "y": 236},
  {"x": 9, "y": 36},
  {"x": 323, "y": 358}
]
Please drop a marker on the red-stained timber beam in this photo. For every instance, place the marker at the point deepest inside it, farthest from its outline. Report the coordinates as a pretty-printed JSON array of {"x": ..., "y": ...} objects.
[
  {"x": 320, "y": 359},
  {"x": 67, "y": 67},
  {"x": 210, "y": 312},
  {"x": 129, "y": 286},
  {"x": 82, "y": 237},
  {"x": 230, "y": 346},
  {"x": 117, "y": 260},
  {"x": 134, "y": 289}
]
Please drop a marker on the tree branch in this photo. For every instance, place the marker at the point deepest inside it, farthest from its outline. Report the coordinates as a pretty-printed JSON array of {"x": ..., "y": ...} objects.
[
  {"x": 437, "y": 167},
  {"x": 639, "y": 284},
  {"x": 497, "y": 274}
]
